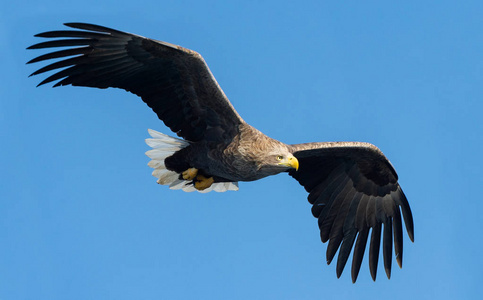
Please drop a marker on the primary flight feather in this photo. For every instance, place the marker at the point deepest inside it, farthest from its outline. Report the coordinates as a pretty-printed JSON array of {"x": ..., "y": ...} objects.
[{"x": 352, "y": 186}]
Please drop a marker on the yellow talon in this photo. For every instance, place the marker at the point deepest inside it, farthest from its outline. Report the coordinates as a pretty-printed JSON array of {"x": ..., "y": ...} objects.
[
  {"x": 203, "y": 183},
  {"x": 190, "y": 174}
]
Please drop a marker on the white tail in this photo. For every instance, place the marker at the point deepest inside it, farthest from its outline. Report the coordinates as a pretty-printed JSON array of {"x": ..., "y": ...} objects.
[{"x": 165, "y": 146}]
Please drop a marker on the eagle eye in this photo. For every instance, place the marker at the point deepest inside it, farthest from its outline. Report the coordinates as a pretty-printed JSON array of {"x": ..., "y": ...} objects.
[{"x": 280, "y": 157}]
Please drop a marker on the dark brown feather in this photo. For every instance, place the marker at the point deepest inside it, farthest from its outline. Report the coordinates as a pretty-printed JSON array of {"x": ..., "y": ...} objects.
[
  {"x": 374, "y": 248},
  {"x": 358, "y": 254},
  {"x": 349, "y": 232},
  {"x": 61, "y": 53},
  {"x": 387, "y": 246}
]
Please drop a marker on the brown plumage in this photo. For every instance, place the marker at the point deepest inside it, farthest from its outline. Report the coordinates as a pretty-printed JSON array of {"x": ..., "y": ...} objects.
[{"x": 352, "y": 186}]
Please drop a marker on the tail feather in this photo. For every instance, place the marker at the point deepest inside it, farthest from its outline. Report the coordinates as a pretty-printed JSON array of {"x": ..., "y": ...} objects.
[{"x": 165, "y": 146}]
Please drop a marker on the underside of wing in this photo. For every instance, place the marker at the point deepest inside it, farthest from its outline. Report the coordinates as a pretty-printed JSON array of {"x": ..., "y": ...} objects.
[
  {"x": 355, "y": 193},
  {"x": 175, "y": 82}
]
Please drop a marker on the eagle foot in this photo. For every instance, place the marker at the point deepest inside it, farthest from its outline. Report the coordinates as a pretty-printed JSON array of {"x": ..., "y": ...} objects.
[
  {"x": 190, "y": 174},
  {"x": 203, "y": 183}
]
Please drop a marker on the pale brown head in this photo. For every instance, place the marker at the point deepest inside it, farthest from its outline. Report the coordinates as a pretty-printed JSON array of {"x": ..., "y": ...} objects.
[{"x": 277, "y": 159}]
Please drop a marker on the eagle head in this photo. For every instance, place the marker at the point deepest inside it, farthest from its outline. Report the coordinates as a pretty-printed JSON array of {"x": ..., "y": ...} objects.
[{"x": 279, "y": 159}]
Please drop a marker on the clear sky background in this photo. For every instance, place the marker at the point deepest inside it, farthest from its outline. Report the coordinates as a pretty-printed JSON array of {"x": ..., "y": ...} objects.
[{"x": 81, "y": 217}]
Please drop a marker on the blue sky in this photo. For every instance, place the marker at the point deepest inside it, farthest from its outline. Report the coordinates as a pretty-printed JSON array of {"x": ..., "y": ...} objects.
[{"x": 82, "y": 217}]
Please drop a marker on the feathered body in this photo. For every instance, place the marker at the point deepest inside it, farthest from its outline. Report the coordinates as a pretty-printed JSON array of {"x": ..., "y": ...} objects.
[{"x": 248, "y": 156}]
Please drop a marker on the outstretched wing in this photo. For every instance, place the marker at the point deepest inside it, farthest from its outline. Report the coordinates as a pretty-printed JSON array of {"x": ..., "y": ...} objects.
[
  {"x": 354, "y": 188},
  {"x": 175, "y": 82}
]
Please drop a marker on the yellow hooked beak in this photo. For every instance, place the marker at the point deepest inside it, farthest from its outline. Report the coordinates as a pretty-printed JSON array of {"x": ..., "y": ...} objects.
[{"x": 291, "y": 162}]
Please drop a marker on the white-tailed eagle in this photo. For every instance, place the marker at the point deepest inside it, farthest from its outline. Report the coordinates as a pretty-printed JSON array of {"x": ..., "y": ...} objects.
[{"x": 352, "y": 186}]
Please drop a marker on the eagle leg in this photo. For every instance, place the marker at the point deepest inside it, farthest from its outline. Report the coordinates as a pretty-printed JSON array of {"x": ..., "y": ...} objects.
[
  {"x": 190, "y": 174},
  {"x": 203, "y": 182}
]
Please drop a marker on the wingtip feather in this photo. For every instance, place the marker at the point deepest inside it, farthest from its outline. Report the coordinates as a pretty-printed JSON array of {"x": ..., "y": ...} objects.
[{"x": 399, "y": 258}]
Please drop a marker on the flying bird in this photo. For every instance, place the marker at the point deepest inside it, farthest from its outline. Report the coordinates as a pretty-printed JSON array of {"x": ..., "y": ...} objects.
[{"x": 352, "y": 186}]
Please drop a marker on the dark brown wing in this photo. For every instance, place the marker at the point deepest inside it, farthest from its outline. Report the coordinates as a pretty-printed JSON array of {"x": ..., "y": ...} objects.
[
  {"x": 354, "y": 188},
  {"x": 175, "y": 82}
]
